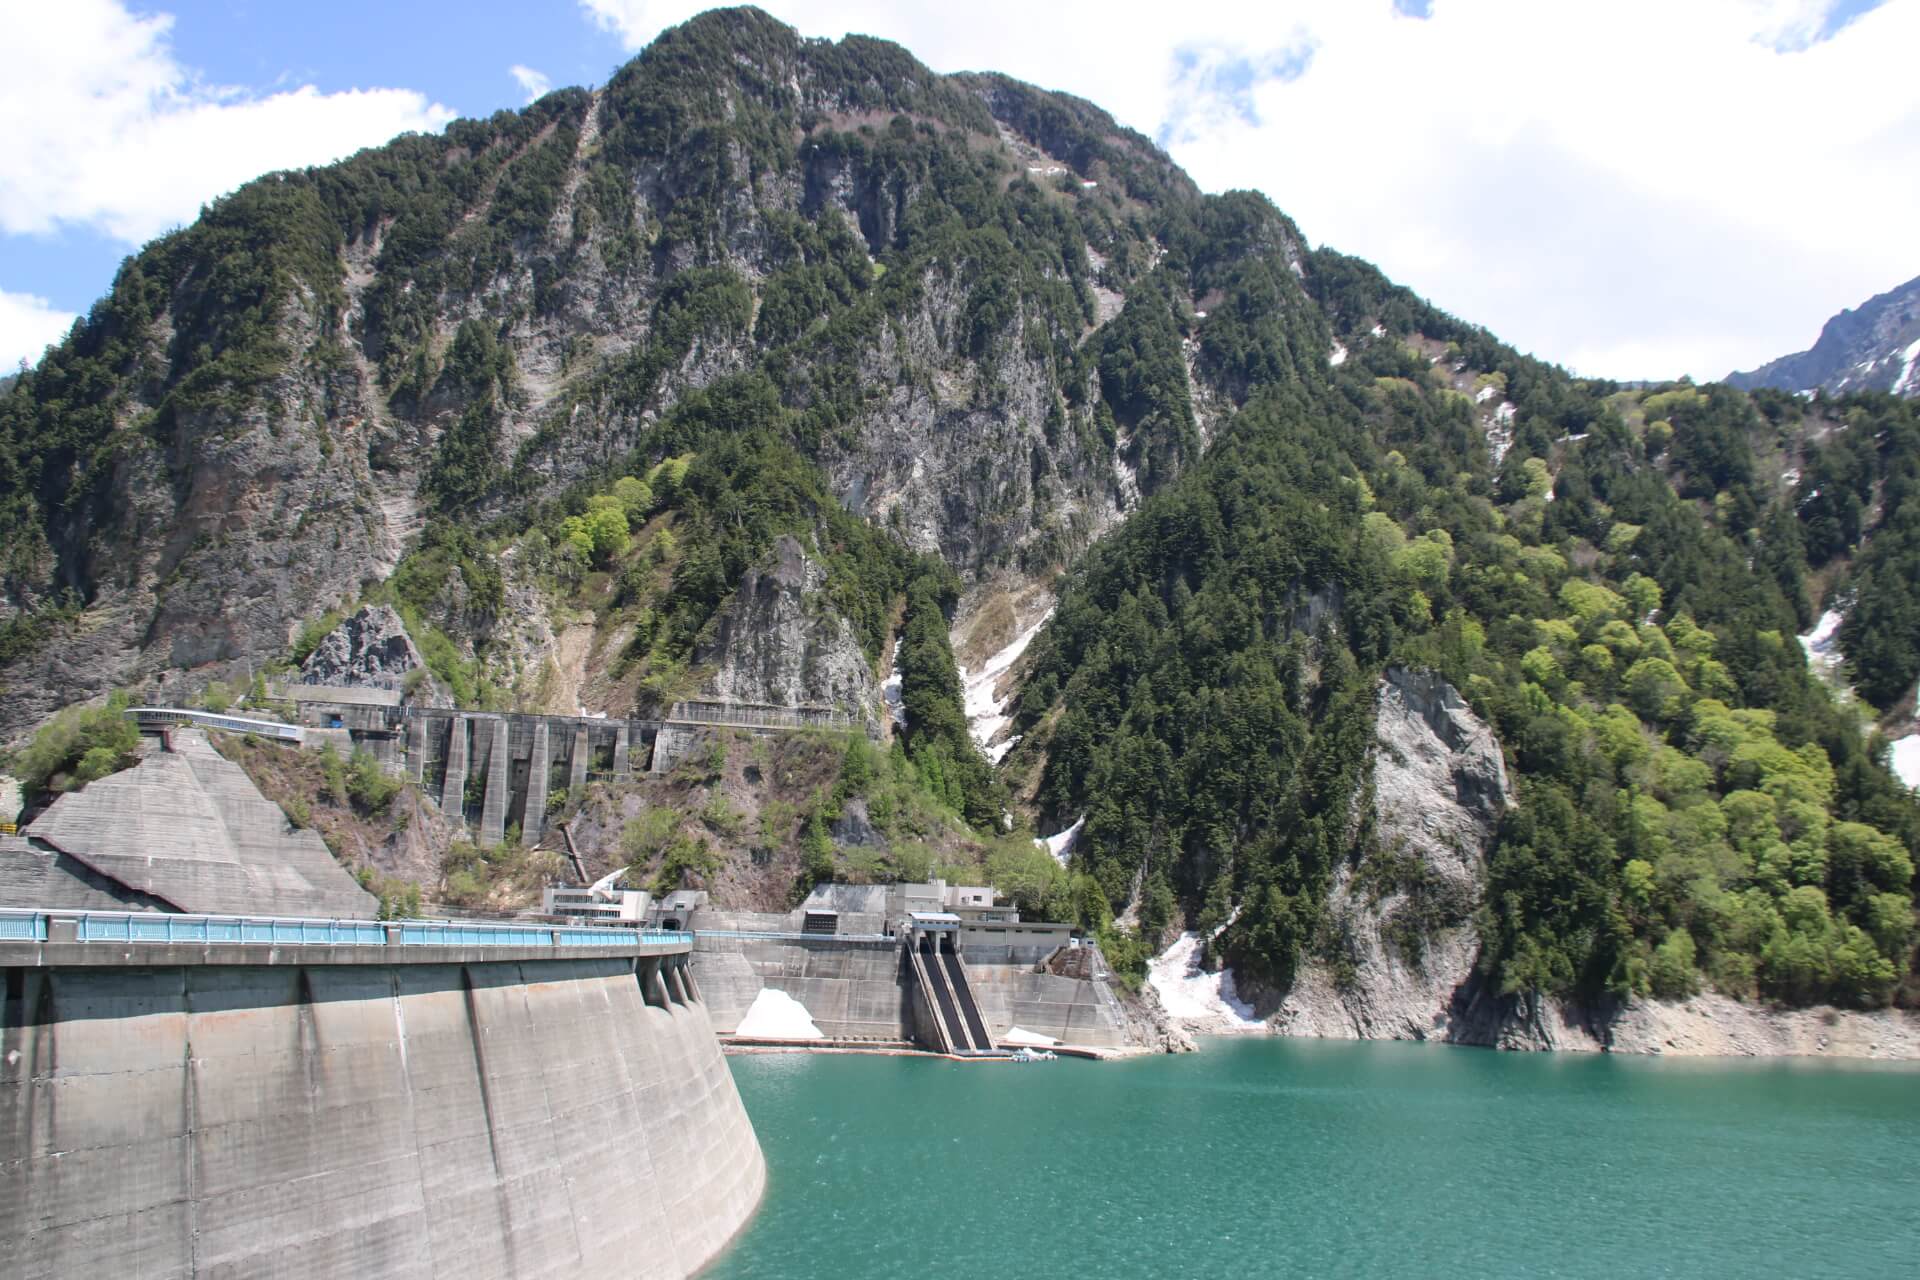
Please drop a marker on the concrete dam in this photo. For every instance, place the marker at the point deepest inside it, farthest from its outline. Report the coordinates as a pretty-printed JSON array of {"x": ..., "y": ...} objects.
[
  {"x": 858, "y": 983},
  {"x": 225, "y": 1096}
]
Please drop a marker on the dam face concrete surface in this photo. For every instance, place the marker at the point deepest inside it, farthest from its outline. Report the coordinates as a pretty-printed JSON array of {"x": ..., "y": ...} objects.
[{"x": 529, "y": 1117}]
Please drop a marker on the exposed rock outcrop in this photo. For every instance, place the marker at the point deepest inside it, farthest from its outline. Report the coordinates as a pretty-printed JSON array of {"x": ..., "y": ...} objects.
[
  {"x": 1407, "y": 948},
  {"x": 369, "y": 647},
  {"x": 1148, "y": 1022},
  {"x": 208, "y": 548},
  {"x": 854, "y": 828},
  {"x": 1402, "y": 912},
  {"x": 1873, "y": 348},
  {"x": 1707, "y": 1025},
  {"x": 956, "y": 453},
  {"x": 779, "y": 641}
]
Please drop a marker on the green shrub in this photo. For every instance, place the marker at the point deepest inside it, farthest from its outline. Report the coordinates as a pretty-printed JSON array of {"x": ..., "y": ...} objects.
[
  {"x": 299, "y": 812},
  {"x": 310, "y": 636},
  {"x": 687, "y": 858},
  {"x": 721, "y": 816},
  {"x": 1671, "y": 973},
  {"x": 371, "y": 787},
  {"x": 399, "y": 901},
  {"x": 78, "y": 746},
  {"x": 334, "y": 770}
]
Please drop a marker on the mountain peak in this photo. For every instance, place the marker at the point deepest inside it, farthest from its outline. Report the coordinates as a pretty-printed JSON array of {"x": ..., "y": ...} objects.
[
  {"x": 711, "y": 66},
  {"x": 1873, "y": 348}
]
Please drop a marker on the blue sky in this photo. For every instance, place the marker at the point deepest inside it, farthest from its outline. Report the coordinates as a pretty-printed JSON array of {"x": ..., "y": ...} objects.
[
  {"x": 1637, "y": 189},
  {"x": 455, "y": 54}
]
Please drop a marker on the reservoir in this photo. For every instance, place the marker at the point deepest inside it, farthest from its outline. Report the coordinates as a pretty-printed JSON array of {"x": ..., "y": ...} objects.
[{"x": 1319, "y": 1158}]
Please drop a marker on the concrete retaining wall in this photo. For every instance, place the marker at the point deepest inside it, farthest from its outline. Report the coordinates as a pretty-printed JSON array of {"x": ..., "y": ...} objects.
[
  {"x": 851, "y": 989},
  {"x": 858, "y": 990},
  {"x": 748, "y": 921},
  {"x": 1069, "y": 1009},
  {"x": 534, "y": 1118},
  {"x": 189, "y": 828}
]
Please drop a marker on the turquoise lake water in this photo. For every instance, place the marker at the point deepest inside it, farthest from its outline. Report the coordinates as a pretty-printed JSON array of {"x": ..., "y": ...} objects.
[{"x": 1317, "y": 1158}]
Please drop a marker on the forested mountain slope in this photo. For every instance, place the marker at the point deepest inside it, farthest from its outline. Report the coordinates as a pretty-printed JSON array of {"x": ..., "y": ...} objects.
[
  {"x": 1613, "y": 582},
  {"x": 739, "y": 374},
  {"x": 850, "y": 298}
]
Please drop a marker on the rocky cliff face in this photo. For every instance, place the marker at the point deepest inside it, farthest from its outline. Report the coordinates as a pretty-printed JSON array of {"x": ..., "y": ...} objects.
[
  {"x": 545, "y": 293},
  {"x": 1402, "y": 914},
  {"x": 369, "y": 647},
  {"x": 779, "y": 642},
  {"x": 1874, "y": 348},
  {"x": 212, "y": 541}
]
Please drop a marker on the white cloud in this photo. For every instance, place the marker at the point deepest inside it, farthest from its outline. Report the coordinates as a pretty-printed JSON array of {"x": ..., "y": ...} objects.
[
  {"x": 106, "y": 128},
  {"x": 1637, "y": 189},
  {"x": 28, "y": 326},
  {"x": 637, "y": 21},
  {"x": 534, "y": 84}
]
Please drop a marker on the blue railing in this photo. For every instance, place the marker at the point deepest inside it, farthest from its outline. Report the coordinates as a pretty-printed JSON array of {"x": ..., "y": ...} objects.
[
  {"x": 23, "y": 926},
  {"x": 451, "y": 933},
  {"x": 155, "y": 927},
  {"x": 144, "y": 926}
]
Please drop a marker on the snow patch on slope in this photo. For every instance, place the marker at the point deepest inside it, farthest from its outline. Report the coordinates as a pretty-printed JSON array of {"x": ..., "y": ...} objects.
[
  {"x": 1905, "y": 385},
  {"x": 1822, "y": 645},
  {"x": 1904, "y": 759},
  {"x": 775, "y": 1015},
  {"x": 1499, "y": 430},
  {"x": 896, "y": 704},
  {"x": 986, "y": 709},
  {"x": 1201, "y": 1000},
  {"x": 1060, "y": 846}
]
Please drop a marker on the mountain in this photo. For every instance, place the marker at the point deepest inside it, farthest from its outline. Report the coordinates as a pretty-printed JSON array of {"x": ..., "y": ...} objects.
[
  {"x": 1324, "y": 626},
  {"x": 1876, "y": 348}
]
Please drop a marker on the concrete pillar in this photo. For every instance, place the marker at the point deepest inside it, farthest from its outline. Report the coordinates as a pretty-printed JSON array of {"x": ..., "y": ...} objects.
[
  {"x": 621, "y": 743},
  {"x": 454, "y": 790},
  {"x": 652, "y": 986},
  {"x": 493, "y": 806},
  {"x": 534, "y": 825},
  {"x": 416, "y": 748},
  {"x": 669, "y": 745},
  {"x": 676, "y": 991},
  {"x": 577, "y": 763},
  {"x": 665, "y": 996}
]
